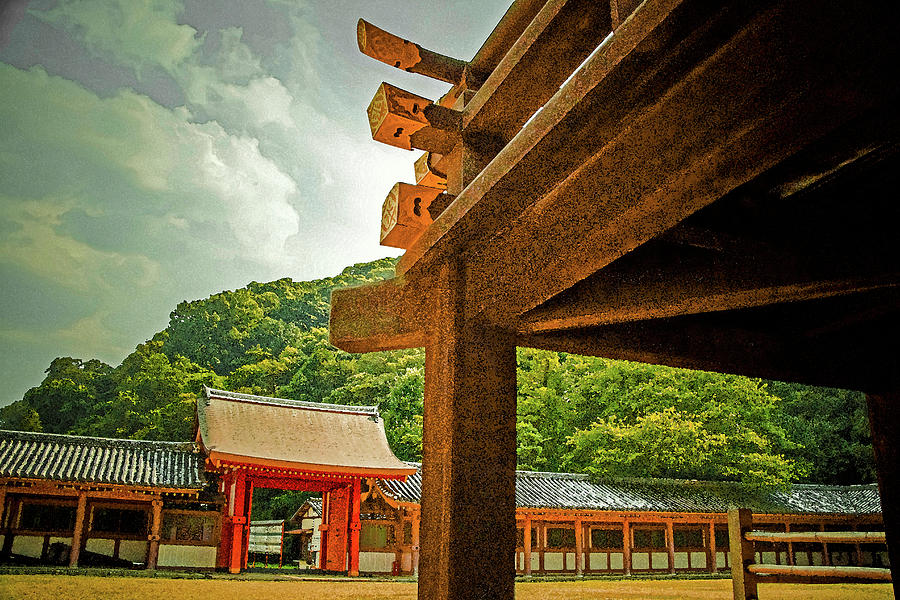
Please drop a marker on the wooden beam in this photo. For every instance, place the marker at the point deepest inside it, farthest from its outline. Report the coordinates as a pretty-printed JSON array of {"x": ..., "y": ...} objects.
[
  {"x": 821, "y": 537},
  {"x": 405, "y": 120},
  {"x": 406, "y": 213},
  {"x": 681, "y": 154},
  {"x": 666, "y": 283},
  {"x": 846, "y": 573},
  {"x": 426, "y": 174},
  {"x": 558, "y": 39},
  {"x": 571, "y": 127},
  {"x": 381, "y": 316},
  {"x": 403, "y": 54}
]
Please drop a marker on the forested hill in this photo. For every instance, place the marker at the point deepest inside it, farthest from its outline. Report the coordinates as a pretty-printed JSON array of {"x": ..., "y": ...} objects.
[{"x": 608, "y": 418}]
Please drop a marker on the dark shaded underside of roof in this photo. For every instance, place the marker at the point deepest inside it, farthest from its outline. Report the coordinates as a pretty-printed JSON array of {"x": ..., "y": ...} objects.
[
  {"x": 140, "y": 463},
  {"x": 573, "y": 491}
]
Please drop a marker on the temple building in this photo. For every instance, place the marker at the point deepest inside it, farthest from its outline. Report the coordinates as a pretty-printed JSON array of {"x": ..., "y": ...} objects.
[
  {"x": 77, "y": 500},
  {"x": 83, "y": 501},
  {"x": 568, "y": 524}
]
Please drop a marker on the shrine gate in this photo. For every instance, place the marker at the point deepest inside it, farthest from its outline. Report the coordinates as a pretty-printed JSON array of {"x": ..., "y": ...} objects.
[{"x": 258, "y": 442}]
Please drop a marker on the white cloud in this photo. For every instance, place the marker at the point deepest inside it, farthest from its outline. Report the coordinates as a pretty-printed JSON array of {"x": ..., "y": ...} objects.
[{"x": 137, "y": 33}]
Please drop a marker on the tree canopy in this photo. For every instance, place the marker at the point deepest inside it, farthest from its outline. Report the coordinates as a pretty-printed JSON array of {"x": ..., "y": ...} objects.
[{"x": 602, "y": 417}]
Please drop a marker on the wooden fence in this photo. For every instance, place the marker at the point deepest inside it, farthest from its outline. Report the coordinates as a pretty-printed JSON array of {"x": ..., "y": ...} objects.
[{"x": 746, "y": 573}]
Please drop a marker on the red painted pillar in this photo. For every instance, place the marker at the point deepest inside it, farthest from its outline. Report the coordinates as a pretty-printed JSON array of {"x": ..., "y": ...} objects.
[
  {"x": 337, "y": 529},
  {"x": 248, "y": 504},
  {"x": 238, "y": 521},
  {"x": 355, "y": 492}
]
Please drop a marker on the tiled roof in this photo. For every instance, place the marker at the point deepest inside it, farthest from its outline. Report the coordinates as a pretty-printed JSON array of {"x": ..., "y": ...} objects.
[
  {"x": 576, "y": 491},
  {"x": 141, "y": 463},
  {"x": 316, "y": 505},
  {"x": 308, "y": 435}
]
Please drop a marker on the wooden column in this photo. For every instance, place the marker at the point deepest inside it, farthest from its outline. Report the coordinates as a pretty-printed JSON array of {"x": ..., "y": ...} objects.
[
  {"x": 626, "y": 546},
  {"x": 579, "y": 547},
  {"x": 2, "y": 505},
  {"x": 155, "y": 527},
  {"x": 884, "y": 421},
  {"x": 740, "y": 521},
  {"x": 238, "y": 521},
  {"x": 526, "y": 543},
  {"x": 78, "y": 534},
  {"x": 711, "y": 548},
  {"x": 542, "y": 543},
  {"x": 248, "y": 512},
  {"x": 415, "y": 542},
  {"x": 469, "y": 453},
  {"x": 670, "y": 545},
  {"x": 354, "y": 528},
  {"x": 790, "y": 545}
]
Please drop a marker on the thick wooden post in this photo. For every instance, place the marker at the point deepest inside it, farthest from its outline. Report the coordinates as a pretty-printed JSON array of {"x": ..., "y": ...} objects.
[
  {"x": 78, "y": 534},
  {"x": 2, "y": 505},
  {"x": 885, "y": 425},
  {"x": 579, "y": 546},
  {"x": 354, "y": 528},
  {"x": 542, "y": 544},
  {"x": 670, "y": 546},
  {"x": 740, "y": 521},
  {"x": 626, "y": 546},
  {"x": 711, "y": 548},
  {"x": 469, "y": 458},
  {"x": 526, "y": 543},
  {"x": 155, "y": 527}
]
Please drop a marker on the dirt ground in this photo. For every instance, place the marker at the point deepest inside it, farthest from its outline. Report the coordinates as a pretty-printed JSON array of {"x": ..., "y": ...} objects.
[{"x": 68, "y": 587}]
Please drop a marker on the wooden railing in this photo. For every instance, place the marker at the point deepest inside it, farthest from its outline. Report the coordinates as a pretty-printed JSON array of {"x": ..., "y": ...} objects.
[{"x": 746, "y": 574}]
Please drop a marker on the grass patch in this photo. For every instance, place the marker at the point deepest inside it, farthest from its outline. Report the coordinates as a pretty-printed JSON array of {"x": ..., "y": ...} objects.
[{"x": 168, "y": 585}]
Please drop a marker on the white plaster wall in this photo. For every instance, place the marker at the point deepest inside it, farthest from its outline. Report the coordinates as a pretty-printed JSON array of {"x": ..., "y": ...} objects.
[
  {"x": 28, "y": 545},
  {"x": 133, "y": 550},
  {"x": 616, "y": 560},
  {"x": 817, "y": 558},
  {"x": 553, "y": 561},
  {"x": 640, "y": 560},
  {"x": 535, "y": 561},
  {"x": 698, "y": 560},
  {"x": 376, "y": 562},
  {"x": 406, "y": 562},
  {"x": 681, "y": 560},
  {"x": 598, "y": 561},
  {"x": 315, "y": 540},
  {"x": 570, "y": 561},
  {"x": 100, "y": 546},
  {"x": 660, "y": 560},
  {"x": 768, "y": 558},
  {"x": 173, "y": 555},
  {"x": 720, "y": 560},
  {"x": 801, "y": 559}
]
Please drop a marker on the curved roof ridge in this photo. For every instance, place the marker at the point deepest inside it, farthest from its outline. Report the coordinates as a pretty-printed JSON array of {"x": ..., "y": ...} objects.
[{"x": 342, "y": 408}]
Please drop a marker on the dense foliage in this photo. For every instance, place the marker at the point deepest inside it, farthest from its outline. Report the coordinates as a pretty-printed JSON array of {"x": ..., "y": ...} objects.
[{"x": 604, "y": 417}]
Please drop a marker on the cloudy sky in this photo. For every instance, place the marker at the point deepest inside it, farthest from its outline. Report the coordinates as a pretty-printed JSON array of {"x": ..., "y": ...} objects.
[{"x": 153, "y": 151}]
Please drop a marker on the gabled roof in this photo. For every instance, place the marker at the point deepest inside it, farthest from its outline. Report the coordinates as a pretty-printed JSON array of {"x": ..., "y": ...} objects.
[
  {"x": 140, "y": 463},
  {"x": 314, "y": 506},
  {"x": 241, "y": 428},
  {"x": 577, "y": 491}
]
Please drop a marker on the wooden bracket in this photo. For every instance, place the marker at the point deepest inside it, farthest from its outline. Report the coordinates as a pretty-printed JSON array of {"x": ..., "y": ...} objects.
[
  {"x": 395, "y": 115},
  {"x": 403, "y": 54},
  {"x": 407, "y": 212},
  {"x": 427, "y": 174}
]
